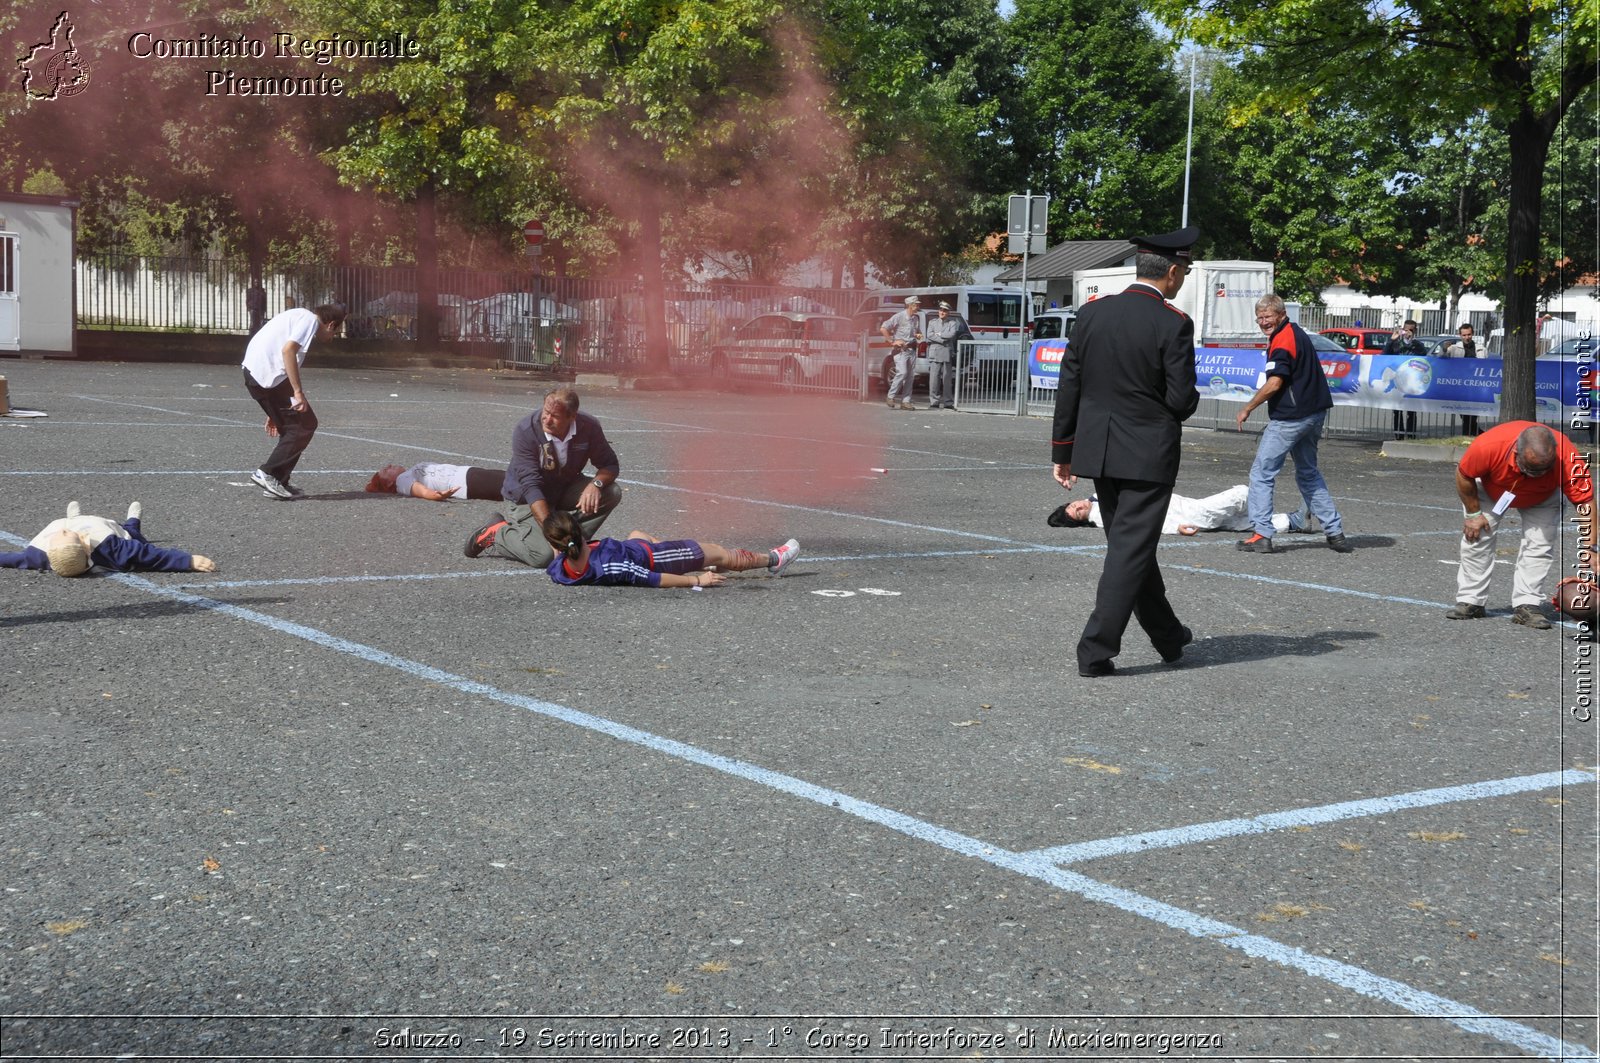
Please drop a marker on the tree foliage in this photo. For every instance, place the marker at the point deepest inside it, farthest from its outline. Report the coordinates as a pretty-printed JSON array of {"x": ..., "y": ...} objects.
[
  {"x": 1522, "y": 63},
  {"x": 1101, "y": 116}
]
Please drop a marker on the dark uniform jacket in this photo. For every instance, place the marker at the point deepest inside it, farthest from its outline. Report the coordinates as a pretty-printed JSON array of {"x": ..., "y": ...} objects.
[
  {"x": 1127, "y": 386},
  {"x": 534, "y": 474}
]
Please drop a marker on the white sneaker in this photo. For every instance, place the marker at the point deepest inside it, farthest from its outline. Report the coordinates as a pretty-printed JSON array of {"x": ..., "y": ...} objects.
[
  {"x": 73, "y": 509},
  {"x": 270, "y": 485},
  {"x": 783, "y": 555},
  {"x": 134, "y": 510}
]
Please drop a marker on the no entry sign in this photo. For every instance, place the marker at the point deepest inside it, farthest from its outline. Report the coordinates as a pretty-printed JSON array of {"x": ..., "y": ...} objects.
[{"x": 533, "y": 232}]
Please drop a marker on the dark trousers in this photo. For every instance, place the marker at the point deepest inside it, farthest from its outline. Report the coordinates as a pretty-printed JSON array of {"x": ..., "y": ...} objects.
[
  {"x": 1130, "y": 583},
  {"x": 485, "y": 484},
  {"x": 294, "y": 429},
  {"x": 1405, "y": 424},
  {"x": 1469, "y": 424}
]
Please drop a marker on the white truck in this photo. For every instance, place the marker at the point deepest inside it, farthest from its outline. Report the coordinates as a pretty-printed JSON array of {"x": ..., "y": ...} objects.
[{"x": 1220, "y": 296}]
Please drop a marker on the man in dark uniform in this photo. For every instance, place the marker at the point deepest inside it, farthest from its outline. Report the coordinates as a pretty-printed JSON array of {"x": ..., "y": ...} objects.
[{"x": 1127, "y": 385}]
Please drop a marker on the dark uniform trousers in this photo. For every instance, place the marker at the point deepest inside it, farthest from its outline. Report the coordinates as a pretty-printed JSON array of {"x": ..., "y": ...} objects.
[{"x": 1130, "y": 583}]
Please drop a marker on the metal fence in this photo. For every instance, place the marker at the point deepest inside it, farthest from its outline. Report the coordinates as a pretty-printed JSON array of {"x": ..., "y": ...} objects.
[
  {"x": 532, "y": 320},
  {"x": 992, "y": 372}
]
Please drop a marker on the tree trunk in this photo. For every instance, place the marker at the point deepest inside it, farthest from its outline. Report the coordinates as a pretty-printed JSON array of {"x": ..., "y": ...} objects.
[
  {"x": 1529, "y": 138},
  {"x": 655, "y": 293},
  {"x": 427, "y": 322}
]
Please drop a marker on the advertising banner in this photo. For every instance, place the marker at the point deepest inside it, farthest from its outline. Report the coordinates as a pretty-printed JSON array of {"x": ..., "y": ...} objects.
[
  {"x": 1044, "y": 362},
  {"x": 1562, "y": 386}
]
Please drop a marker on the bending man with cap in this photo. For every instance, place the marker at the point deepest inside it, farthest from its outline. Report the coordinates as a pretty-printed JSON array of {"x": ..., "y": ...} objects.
[
  {"x": 77, "y": 542},
  {"x": 1127, "y": 386},
  {"x": 903, "y": 330}
]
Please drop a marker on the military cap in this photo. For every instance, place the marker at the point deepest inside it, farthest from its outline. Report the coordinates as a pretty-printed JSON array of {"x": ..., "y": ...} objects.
[{"x": 1176, "y": 244}]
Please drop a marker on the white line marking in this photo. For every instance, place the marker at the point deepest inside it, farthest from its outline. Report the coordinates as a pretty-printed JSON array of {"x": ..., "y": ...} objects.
[
  {"x": 1355, "y": 979},
  {"x": 1304, "y": 817}
]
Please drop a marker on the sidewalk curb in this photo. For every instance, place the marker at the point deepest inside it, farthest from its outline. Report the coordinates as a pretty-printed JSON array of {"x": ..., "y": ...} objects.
[{"x": 1441, "y": 451}]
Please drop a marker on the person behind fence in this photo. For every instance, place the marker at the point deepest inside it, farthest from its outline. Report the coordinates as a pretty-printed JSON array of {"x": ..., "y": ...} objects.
[
  {"x": 1465, "y": 346},
  {"x": 943, "y": 334},
  {"x": 272, "y": 362},
  {"x": 79, "y": 541},
  {"x": 903, "y": 330},
  {"x": 550, "y": 451},
  {"x": 1127, "y": 385},
  {"x": 438, "y": 482},
  {"x": 642, "y": 560},
  {"x": 255, "y": 304},
  {"x": 1298, "y": 399},
  {"x": 1224, "y": 511},
  {"x": 1522, "y": 466},
  {"x": 1405, "y": 342}
]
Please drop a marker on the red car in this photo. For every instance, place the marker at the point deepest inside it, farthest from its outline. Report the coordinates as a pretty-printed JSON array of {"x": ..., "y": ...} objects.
[{"x": 1359, "y": 340}]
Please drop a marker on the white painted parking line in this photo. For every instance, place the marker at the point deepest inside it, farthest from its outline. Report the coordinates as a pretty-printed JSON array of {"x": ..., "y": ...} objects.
[
  {"x": 1306, "y": 817},
  {"x": 1355, "y": 979}
]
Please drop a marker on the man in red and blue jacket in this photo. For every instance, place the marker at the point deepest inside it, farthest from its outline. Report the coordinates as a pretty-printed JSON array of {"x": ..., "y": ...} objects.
[{"x": 1298, "y": 400}]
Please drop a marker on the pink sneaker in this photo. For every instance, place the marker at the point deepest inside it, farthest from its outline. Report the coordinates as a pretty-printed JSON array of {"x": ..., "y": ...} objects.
[{"x": 782, "y": 555}]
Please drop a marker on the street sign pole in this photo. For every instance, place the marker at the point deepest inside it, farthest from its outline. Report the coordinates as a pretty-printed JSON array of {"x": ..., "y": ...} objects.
[{"x": 1027, "y": 217}]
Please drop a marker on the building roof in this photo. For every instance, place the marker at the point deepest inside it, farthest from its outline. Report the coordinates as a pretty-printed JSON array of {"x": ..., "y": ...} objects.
[{"x": 1065, "y": 259}]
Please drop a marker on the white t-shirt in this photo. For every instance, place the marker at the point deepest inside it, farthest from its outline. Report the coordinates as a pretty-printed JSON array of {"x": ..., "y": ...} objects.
[
  {"x": 1223, "y": 511},
  {"x": 435, "y": 476},
  {"x": 96, "y": 529},
  {"x": 263, "y": 358}
]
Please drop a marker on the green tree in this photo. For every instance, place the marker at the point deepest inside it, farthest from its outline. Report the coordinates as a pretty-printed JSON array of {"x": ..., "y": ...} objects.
[
  {"x": 922, "y": 90},
  {"x": 1450, "y": 195},
  {"x": 1301, "y": 186},
  {"x": 1521, "y": 62},
  {"x": 1101, "y": 116}
]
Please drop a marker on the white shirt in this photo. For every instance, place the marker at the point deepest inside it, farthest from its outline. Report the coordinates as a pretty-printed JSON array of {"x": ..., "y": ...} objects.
[
  {"x": 96, "y": 529},
  {"x": 263, "y": 358},
  {"x": 560, "y": 445},
  {"x": 435, "y": 476},
  {"x": 1223, "y": 511}
]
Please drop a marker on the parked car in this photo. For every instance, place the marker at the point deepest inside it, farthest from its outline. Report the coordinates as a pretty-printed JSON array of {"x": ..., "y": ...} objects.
[
  {"x": 791, "y": 348},
  {"x": 394, "y": 315},
  {"x": 1435, "y": 346},
  {"x": 1359, "y": 340},
  {"x": 1573, "y": 347},
  {"x": 512, "y": 315},
  {"x": 1053, "y": 324},
  {"x": 1325, "y": 344}
]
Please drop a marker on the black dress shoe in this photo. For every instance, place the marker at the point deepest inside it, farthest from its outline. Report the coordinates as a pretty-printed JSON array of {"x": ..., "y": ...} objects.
[
  {"x": 1175, "y": 654},
  {"x": 1097, "y": 669}
]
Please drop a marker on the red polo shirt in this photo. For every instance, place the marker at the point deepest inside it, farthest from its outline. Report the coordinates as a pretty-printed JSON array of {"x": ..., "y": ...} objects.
[{"x": 1492, "y": 460}]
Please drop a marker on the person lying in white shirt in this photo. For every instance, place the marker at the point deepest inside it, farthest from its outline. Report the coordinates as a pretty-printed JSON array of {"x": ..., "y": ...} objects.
[{"x": 1223, "y": 511}]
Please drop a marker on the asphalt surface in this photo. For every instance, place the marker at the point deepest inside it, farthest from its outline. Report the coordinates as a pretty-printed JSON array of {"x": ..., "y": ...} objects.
[{"x": 356, "y": 783}]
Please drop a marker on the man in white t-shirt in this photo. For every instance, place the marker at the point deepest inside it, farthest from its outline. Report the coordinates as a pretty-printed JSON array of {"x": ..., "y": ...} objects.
[
  {"x": 438, "y": 482},
  {"x": 1223, "y": 511},
  {"x": 272, "y": 376}
]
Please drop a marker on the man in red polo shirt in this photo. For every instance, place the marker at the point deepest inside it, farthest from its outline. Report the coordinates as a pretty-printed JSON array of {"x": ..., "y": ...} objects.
[{"x": 1519, "y": 465}]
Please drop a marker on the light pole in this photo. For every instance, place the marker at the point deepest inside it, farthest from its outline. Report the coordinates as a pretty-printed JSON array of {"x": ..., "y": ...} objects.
[{"x": 1188, "y": 146}]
